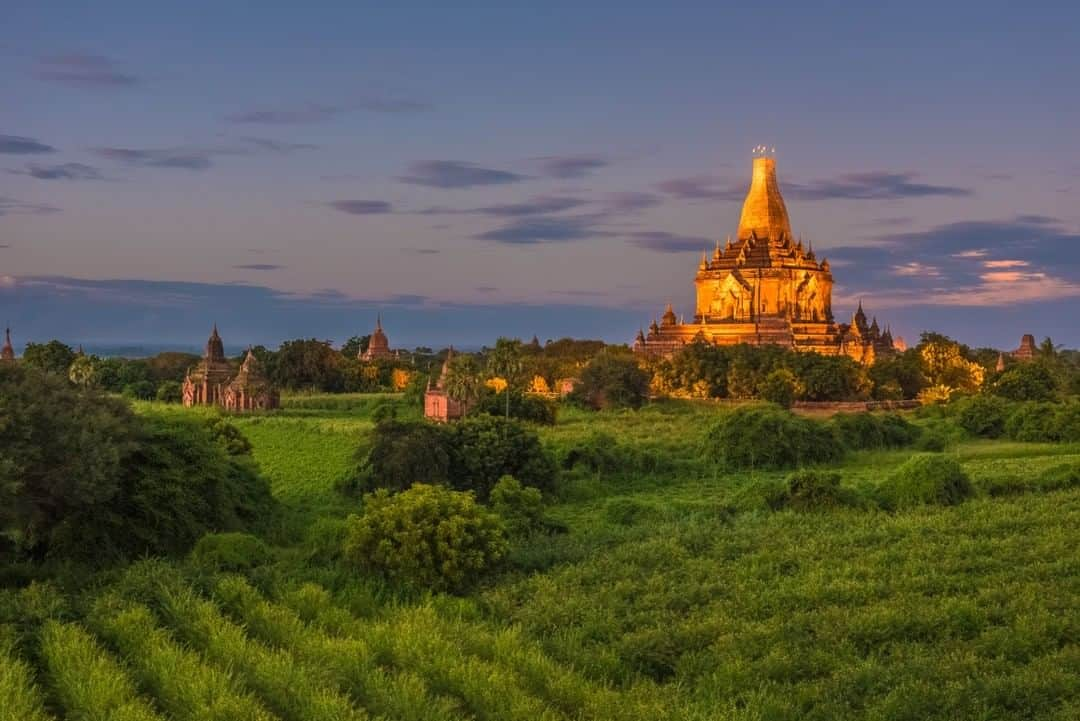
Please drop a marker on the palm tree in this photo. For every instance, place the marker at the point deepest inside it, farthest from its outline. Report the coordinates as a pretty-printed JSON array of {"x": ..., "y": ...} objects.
[
  {"x": 505, "y": 362},
  {"x": 463, "y": 382}
]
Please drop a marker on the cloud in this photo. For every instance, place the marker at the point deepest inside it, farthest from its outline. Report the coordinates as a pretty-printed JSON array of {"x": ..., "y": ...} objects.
[
  {"x": 277, "y": 146},
  {"x": 544, "y": 229},
  {"x": 878, "y": 185},
  {"x": 485, "y": 289},
  {"x": 4, "y": 245},
  {"x": 83, "y": 70},
  {"x": 63, "y": 171},
  {"x": 187, "y": 159},
  {"x": 298, "y": 115},
  {"x": 664, "y": 242},
  {"x": 11, "y": 206},
  {"x": 19, "y": 145},
  {"x": 259, "y": 266},
  {"x": 537, "y": 205},
  {"x": 456, "y": 174},
  {"x": 630, "y": 202},
  {"x": 1028, "y": 258},
  {"x": 424, "y": 251},
  {"x": 701, "y": 187},
  {"x": 317, "y": 112},
  {"x": 361, "y": 207},
  {"x": 571, "y": 166}
]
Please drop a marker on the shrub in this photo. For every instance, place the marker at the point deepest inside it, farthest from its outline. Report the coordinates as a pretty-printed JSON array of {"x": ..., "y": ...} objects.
[
  {"x": 810, "y": 490},
  {"x": 1033, "y": 423},
  {"x": 404, "y": 452},
  {"x": 523, "y": 406},
  {"x": 229, "y": 437},
  {"x": 427, "y": 536},
  {"x": 982, "y": 415},
  {"x": 925, "y": 478},
  {"x": 484, "y": 448},
  {"x": 598, "y": 452},
  {"x": 767, "y": 437},
  {"x": 870, "y": 431},
  {"x": 779, "y": 387},
  {"x": 520, "y": 507},
  {"x": 169, "y": 392},
  {"x": 94, "y": 482},
  {"x": 1067, "y": 422},
  {"x": 324, "y": 540},
  {"x": 1026, "y": 382},
  {"x": 628, "y": 511},
  {"x": 612, "y": 380},
  {"x": 230, "y": 552}
]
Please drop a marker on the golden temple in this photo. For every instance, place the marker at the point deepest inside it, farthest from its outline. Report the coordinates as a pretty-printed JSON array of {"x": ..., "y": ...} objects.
[{"x": 764, "y": 286}]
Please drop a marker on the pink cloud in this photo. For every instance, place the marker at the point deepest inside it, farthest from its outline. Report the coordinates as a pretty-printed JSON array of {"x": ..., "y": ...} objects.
[{"x": 1005, "y": 263}]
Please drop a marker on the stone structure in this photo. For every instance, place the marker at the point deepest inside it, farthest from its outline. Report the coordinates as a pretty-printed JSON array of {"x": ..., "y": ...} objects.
[
  {"x": 7, "y": 353},
  {"x": 211, "y": 382},
  {"x": 765, "y": 286},
  {"x": 1027, "y": 349},
  {"x": 250, "y": 390},
  {"x": 205, "y": 384},
  {"x": 379, "y": 345},
  {"x": 438, "y": 406}
]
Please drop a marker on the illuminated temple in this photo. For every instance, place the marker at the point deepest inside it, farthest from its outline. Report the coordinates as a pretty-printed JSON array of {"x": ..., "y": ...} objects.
[{"x": 764, "y": 286}]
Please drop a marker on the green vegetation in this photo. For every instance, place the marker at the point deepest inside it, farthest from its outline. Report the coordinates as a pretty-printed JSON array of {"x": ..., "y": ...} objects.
[{"x": 686, "y": 560}]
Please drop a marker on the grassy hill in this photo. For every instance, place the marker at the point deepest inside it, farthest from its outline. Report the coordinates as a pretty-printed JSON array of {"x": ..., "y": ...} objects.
[{"x": 675, "y": 594}]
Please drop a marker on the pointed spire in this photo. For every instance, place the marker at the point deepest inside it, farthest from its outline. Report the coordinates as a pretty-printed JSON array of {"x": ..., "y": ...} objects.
[
  {"x": 378, "y": 321},
  {"x": 7, "y": 353}
]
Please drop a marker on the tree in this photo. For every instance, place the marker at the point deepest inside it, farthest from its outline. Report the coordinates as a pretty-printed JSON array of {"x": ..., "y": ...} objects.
[
  {"x": 779, "y": 387},
  {"x": 429, "y": 537},
  {"x": 1030, "y": 381},
  {"x": 505, "y": 361},
  {"x": 613, "y": 380},
  {"x": 463, "y": 383},
  {"x": 946, "y": 364},
  {"x": 51, "y": 357},
  {"x": 356, "y": 345},
  {"x": 310, "y": 364},
  {"x": 83, "y": 370}
]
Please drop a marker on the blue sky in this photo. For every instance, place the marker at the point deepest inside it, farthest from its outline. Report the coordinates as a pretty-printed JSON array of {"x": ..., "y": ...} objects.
[{"x": 553, "y": 168}]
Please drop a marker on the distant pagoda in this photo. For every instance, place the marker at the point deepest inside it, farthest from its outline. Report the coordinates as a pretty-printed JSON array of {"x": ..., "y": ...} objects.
[
  {"x": 212, "y": 383},
  {"x": 7, "y": 353},
  {"x": 379, "y": 345}
]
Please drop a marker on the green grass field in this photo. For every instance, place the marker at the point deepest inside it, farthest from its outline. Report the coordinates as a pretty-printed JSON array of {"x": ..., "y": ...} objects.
[{"x": 664, "y": 600}]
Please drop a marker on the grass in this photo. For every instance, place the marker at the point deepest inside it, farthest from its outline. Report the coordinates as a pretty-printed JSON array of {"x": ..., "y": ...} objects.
[{"x": 677, "y": 593}]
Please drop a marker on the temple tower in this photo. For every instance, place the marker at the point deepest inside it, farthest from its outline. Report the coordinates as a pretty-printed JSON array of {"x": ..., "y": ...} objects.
[
  {"x": 7, "y": 353},
  {"x": 379, "y": 345}
]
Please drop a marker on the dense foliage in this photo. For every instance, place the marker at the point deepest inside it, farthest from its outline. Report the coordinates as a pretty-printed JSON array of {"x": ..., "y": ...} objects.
[
  {"x": 83, "y": 477},
  {"x": 428, "y": 536},
  {"x": 768, "y": 437},
  {"x": 926, "y": 478},
  {"x": 612, "y": 380}
]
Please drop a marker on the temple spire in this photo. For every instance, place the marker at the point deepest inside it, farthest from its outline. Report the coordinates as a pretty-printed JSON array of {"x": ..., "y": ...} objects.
[
  {"x": 764, "y": 214},
  {"x": 7, "y": 353}
]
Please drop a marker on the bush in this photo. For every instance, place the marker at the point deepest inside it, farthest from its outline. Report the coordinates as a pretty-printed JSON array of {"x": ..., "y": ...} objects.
[
  {"x": 520, "y": 507},
  {"x": 427, "y": 537},
  {"x": 982, "y": 415},
  {"x": 628, "y": 511},
  {"x": 870, "y": 431},
  {"x": 612, "y": 380},
  {"x": 324, "y": 540},
  {"x": 767, "y": 437},
  {"x": 92, "y": 481},
  {"x": 1026, "y": 382},
  {"x": 483, "y": 449},
  {"x": 169, "y": 392},
  {"x": 230, "y": 552},
  {"x": 925, "y": 478},
  {"x": 1033, "y": 423},
  {"x": 779, "y": 387},
  {"x": 598, "y": 452},
  {"x": 402, "y": 453},
  {"x": 524, "y": 407},
  {"x": 229, "y": 437},
  {"x": 809, "y": 490}
]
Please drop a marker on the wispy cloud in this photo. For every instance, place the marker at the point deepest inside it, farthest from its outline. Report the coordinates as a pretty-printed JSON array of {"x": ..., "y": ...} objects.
[
  {"x": 630, "y": 202},
  {"x": 701, "y": 187},
  {"x": 63, "y": 171},
  {"x": 158, "y": 158},
  {"x": 664, "y": 242},
  {"x": 537, "y": 205},
  {"x": 544, "y": 229},
  {"x": 83, "y": 70},
  {"x": 305, "y": 113},
  {"x": 878, "y": 185},
  {"x": 361, "y": 207},
  {"x": 19, "y": 145},
  {"x": 279, "y": 147},
  {"x": 11, "y": 206},
  {"x": 456, "y": 174},
  {"x": 571, "y": 166},
  {"x": 259, "y": 266}
]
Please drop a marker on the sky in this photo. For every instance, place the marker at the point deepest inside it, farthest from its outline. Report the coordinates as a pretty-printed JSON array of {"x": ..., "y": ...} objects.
[{"x": 470, "y": 170}]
